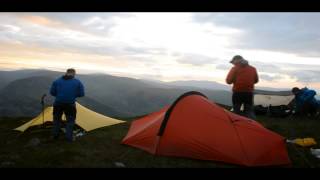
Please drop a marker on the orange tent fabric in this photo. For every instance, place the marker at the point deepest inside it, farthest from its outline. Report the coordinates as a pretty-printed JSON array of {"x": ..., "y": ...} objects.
[{"x": 195, "y": 127}]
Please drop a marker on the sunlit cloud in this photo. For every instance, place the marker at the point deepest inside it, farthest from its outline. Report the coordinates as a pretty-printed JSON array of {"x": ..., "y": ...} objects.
[{"x": 284, "y": 47}]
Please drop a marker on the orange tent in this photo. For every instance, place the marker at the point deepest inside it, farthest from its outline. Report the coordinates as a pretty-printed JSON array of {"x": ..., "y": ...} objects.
[{"x": 195, "y": 127}]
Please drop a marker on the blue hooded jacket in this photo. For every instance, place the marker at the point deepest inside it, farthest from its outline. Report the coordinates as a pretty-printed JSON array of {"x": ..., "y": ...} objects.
[
  {"x": 306, "y": 95},
  {"x": 66, "y": 89}
]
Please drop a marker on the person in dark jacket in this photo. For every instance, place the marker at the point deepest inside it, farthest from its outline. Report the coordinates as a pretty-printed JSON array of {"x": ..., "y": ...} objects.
[
  {"x": 65, "y": 90},
  {"x": 305, "y": 101},
  {"x": 243, "y": 77}
]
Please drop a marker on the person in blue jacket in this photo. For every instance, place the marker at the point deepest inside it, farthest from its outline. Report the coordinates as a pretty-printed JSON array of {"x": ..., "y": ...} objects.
[
  {"x": 305, "y": 101},
  {"x": 65, "y": 90}
]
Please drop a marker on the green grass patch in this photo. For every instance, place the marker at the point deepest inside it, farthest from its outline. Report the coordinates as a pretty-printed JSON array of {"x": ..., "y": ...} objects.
[{"x": 102, "y": 148}]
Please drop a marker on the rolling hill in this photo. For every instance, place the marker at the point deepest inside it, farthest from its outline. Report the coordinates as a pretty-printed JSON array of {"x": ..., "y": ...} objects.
[
  {"x": 22, "y": 98},
  {"x": 109, "y": 95}
]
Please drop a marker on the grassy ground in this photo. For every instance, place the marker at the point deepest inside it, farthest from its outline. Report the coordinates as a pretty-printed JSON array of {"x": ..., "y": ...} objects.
[{"x": 102, "y": 148}]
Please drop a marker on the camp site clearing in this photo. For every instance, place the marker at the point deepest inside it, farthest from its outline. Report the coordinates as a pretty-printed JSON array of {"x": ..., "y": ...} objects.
[{"x": 102, "y": 147}]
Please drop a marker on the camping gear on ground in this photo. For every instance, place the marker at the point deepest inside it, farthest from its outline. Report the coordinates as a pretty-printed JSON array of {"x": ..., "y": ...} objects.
[
  {"x": 279, "y": 111},
  {"x": 79, "y": 134},
  {"x": 119, "y": 164},
  {"x": 273, "y": 103},
  {"x": 86, "y": 119},
  {"x": 195, "y": 127},
  {"x": 315, "y": 152},
  {"x": 304, "y": 142},
  {"x": 76, "y": 133}
]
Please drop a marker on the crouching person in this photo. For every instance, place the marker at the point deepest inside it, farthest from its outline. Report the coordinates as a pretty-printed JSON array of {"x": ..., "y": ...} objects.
[
  {"x": 65, "y": 90},
  {"x": 305, "y": 101}
]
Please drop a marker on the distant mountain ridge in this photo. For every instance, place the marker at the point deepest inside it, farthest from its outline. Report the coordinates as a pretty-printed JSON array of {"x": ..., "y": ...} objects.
[
  {"x": 211, "y": 85},
  {"x": 109, "y": 95}
]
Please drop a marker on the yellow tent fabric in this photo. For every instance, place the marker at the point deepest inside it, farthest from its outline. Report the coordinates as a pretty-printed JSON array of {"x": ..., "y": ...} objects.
[
  {"x": 86, "y": 119},
  {"x": 305, "y": 142}
]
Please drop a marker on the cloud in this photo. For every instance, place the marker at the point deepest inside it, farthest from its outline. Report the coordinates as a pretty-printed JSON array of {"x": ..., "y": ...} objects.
[
  {"x": 70, "y": 32},
  {"x": 63, "y": 25},
  {"x": 196, "y": 59},
  {"x": 64, "y": 41},
  {"x": 305, "y": 76},
  {"x": 41, "y": 21},
  {"x": 304, "y": 73},
  {"x": 269, "y": 77},
  {"x": 266, "y": 77},
  {"x": 296, "y": 33},
  {"x": 9, "y": 28},
  {"x": 143, "y": 50},
  {"x": 269, "y": 67},
  {"x": 94, "y": 23},
  {"x": 223, "y": 67},
  {"x": 145, "y": 43},
  {"x": 300, "y": 72}
]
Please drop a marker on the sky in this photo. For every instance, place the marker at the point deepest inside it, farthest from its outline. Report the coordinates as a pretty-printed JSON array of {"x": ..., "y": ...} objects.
[{"x": 284, "y": 47}]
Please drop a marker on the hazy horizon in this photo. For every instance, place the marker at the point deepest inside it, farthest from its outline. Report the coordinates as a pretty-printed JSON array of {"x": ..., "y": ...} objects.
[{"x": 141, "y": 78}]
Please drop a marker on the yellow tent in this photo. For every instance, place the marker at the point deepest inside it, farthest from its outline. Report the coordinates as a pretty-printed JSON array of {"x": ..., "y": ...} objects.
[{"x": 86, "y": 119}]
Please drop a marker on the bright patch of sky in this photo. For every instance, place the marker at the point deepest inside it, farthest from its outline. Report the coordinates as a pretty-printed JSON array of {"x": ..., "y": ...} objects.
[{"x": 284, "y": 47}]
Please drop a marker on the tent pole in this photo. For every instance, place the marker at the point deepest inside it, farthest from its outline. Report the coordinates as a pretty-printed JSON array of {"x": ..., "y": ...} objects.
[
  {"x": 42, "y": 115},
  {"x": 42, "y": 103}
]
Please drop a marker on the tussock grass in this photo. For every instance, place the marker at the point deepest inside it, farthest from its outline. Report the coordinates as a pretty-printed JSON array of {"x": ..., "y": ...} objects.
[{"x": 102, "y": 148}]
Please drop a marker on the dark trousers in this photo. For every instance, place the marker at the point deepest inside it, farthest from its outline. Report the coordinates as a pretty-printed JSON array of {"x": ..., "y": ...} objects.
[
  {"x": 70, "y": 112},
  {"x": 245, "y": 99},
  {"x": 308, "y": 109}
]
